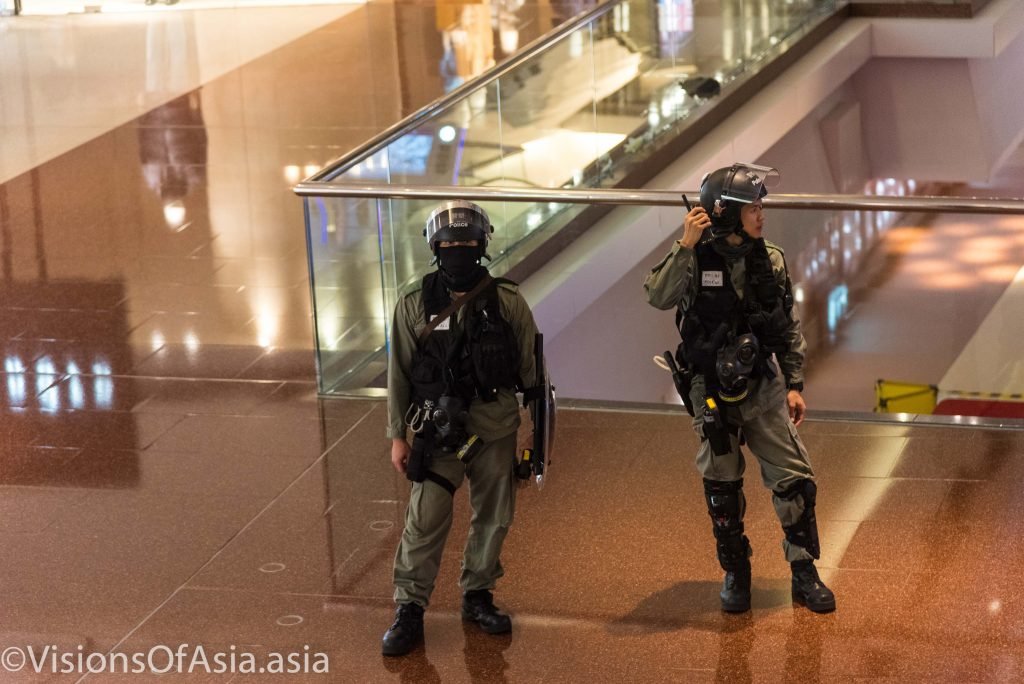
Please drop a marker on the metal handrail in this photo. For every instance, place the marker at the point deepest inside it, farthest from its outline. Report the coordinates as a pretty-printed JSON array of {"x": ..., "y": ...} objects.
[
  {"x": 662, "y": 198},
  {"x": 410, "y": 122}
]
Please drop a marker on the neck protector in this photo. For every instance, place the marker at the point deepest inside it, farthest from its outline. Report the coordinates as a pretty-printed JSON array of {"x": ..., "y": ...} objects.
[{"x": 733, "y": 251}]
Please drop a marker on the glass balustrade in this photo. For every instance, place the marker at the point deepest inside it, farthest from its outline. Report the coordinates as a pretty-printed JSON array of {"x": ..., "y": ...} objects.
[
  {"x": 579, "y": 111},
  {"x": 903, "y": 312}
]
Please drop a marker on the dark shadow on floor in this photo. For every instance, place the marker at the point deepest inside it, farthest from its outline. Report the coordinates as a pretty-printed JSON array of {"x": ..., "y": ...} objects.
[{"x": 695, "y": 605}]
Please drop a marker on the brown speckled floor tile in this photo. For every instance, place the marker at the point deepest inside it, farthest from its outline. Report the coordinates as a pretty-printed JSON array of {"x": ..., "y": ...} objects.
[
  {"x": 195, "y": 397},
  {"x": 231, "y": 523},
  {"x": 209, "y": 361},
  {"x": 295, "y": 399},
  {"x": 854, "y": 455},
  {"x": 611, "y": 573},
  {"x": 243, "y": 435},
  {"x": 980, "y": 456},
  {"x": 282, "y": 364}
]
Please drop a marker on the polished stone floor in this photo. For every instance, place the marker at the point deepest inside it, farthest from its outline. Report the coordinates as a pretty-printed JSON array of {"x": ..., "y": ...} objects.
[{"x": 248, "y": 513}]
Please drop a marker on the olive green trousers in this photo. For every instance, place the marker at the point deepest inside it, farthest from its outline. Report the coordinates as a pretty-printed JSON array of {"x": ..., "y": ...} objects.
[{"x": 428, "y": 520}]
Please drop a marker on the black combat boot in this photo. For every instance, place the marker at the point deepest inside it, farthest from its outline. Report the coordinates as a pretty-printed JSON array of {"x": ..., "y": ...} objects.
[
  {"x": 735, "y": 593},
  {"x": 407, "y": 631},
  {"x": 478, "y": 606},
  {"x": 809, "y": 590},
  {"x": 726, "y": 505}
]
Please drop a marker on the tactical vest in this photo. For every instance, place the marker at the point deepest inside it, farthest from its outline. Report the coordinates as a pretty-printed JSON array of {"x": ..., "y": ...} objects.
[
  {"x": 474, "y": 357},
  {"x": 717, "y": 313}
]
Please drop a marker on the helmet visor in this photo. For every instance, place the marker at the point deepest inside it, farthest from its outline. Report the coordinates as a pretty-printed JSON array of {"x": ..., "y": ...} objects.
[
  {"x": 746, "y": 183},
  {"x": 457, "y": 221}
]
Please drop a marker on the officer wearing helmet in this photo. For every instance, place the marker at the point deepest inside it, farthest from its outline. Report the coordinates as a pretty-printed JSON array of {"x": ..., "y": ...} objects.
[
  {"x": 461, "y": 344},
  {"x": 739, "y": 369}
]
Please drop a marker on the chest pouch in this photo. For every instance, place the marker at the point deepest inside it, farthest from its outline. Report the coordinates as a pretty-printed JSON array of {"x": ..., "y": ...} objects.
[
  {"x": 768, "y": 304},
  {"x": 428, "y": 378},
  {"x": 492, "y": 349}
]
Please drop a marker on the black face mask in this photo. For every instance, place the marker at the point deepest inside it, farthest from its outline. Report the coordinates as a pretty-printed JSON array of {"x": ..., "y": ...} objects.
[{"x": 460, "y": 269}]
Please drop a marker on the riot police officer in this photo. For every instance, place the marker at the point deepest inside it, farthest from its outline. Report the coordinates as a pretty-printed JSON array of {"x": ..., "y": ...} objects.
[
  {"x": 740, "y": 371},
  {"x": 461, "y": 344}
]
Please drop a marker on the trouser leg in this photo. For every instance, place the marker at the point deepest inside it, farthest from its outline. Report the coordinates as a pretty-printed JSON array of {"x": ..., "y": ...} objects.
[
  {"x": 723, "y": 492},
  {"x": 492, "y": 490},
  {"x": 428, "y": 519},
  {"x": 786, "y": 470},
  {"x": 722, "y": 468}
]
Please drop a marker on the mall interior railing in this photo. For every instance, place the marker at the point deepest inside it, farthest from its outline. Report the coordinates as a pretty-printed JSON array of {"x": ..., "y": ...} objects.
[
  {"x": 832, "y": 258},
  {"x": 581, "y": 107}
]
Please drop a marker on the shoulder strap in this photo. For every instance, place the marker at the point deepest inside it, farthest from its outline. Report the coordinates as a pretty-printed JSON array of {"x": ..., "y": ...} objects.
[
  {"x": 435, "y": 295},
  {"x": 455, "y": 306}
]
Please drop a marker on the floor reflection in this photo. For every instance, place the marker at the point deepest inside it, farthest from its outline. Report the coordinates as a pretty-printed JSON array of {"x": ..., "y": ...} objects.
[
  {"x": 484, "y": 655},
  {"x": 173, "y": 154},
  {"x": 735, "y": 643},
  {"x": 804, "y": 641},
  {"x": 413, "y": 668}
]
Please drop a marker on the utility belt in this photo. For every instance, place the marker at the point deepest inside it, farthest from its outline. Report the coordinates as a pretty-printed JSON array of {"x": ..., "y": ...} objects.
[
  {"x": 743, "y": 366},
  {"x": 733, "y": 372},
  {"x": 439, "y": 426}
]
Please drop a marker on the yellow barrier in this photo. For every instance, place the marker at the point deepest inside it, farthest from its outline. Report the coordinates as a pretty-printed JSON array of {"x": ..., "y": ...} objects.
[{"x": 904, "y": 397}]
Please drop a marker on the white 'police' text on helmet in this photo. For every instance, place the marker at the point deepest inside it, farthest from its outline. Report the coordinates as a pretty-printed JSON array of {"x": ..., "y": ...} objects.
[{"x": 458, "y": 221}]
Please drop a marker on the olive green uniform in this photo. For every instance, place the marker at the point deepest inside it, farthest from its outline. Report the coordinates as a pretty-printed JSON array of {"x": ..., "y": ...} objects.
[
  {"x": 492, "y": 485},
  {"x": 763, "y": 417}
]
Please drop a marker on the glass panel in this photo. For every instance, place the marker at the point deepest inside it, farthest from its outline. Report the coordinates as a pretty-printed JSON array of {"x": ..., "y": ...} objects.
[
  {"x": 580, "y": 114},
  {"x": 878, "y": 299},
  {"x": 631, "y": 332},
  {"x": 527, "y": 226},
  {"x": 345, "y": 268},
  {"x": 876, "y": 296}
]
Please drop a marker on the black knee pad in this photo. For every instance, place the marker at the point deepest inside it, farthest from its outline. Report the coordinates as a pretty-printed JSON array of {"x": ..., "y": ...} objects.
[
  {"x": 726, "y": 506},
  {"x": 804, "y": 532},
  {"x": 726, "y": 503}
]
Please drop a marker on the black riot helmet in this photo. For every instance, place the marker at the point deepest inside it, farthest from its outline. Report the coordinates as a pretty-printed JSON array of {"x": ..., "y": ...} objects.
[
  {"x": 724, "y": 192},
  {"x": 458, "y": 221}
]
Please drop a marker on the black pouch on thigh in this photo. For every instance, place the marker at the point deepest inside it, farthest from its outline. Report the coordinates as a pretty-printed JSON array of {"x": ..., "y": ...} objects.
[{"x": 420, "y": 458}]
